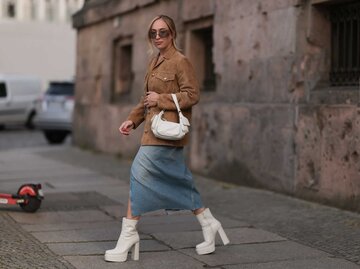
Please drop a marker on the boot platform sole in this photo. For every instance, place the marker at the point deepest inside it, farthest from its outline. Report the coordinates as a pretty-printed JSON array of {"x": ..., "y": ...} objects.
[
  {"x": 122, "y": 257},
  {"x": 205, "y": 250},
  {"x": 116, "y": 257}
]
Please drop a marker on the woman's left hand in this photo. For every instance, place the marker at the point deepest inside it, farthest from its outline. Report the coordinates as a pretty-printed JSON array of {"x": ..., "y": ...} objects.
[{"x": 151, "y": 99}]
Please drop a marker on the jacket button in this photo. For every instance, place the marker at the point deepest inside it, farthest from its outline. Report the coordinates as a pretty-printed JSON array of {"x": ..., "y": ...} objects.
[
  {"x": 153, "y": 74},
  {"x": 145, "y": 131},
  {"x": 165, "y": 78}
]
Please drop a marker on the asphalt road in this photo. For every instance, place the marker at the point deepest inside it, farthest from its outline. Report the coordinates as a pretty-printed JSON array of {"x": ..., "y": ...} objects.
[{"x": 15, "y": 137}]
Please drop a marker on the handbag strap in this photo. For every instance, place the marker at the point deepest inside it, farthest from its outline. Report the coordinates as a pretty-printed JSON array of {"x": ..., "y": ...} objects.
[
  {"x": 182, "y": 120},
  {"x": 176, "y": 102}
]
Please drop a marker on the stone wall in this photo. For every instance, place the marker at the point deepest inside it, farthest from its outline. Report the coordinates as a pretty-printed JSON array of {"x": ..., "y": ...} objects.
[
  {"x": 328, "y": 154},
  {"x": 327, "y": 123},
  {"x": 247, "y": 129},
  {"x": 273, "y": 122}
]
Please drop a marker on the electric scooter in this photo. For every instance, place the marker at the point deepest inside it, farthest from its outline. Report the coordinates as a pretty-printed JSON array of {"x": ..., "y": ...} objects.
[{"x": 28, "y": 197}]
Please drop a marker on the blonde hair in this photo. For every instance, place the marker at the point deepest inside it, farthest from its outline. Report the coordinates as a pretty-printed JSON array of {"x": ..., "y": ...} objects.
[{"x": 170, "y": 23}]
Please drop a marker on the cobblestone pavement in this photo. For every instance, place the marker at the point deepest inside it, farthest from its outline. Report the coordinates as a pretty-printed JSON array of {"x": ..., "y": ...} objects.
[{"x": 21, "y": 250}]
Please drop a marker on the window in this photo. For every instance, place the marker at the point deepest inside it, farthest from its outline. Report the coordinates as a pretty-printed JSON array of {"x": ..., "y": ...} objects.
[
  {"x": 122, "y": 69},
  {"x": 199, "y": 50},
  {"x": 50, "y": 13},
  {"x": 206, "y": 38},
  {"x": 61, "y": 88},
  {"x": 3, "y": 92},
  {"x": 68, "y": 12},
  {"x": 11, "y": 12},
  {"x": 345, "y": 42},
  {"x": 33, "y": 10}
]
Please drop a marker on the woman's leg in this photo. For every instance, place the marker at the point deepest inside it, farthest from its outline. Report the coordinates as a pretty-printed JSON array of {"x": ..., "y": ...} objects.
[
  {"x": 198, "y": 211},
  {"x": 129, "y": 239},
  {"x": 129, "y": 214}
]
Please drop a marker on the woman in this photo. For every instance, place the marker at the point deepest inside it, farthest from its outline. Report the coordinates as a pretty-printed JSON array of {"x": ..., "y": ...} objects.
[{"x": 159, "y": 177}]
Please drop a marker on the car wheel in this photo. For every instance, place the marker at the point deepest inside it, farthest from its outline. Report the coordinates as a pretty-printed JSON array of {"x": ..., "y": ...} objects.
[{"x": 55, "y": 137}]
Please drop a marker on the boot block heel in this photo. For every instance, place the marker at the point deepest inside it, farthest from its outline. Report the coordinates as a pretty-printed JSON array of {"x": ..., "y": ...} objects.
[
  {"x": 223, "y": 236},
  {"x": 135, "y": 251}
]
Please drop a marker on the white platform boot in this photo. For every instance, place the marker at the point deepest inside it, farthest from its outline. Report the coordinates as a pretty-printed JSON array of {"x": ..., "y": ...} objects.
[
  {"x": 129, "y": 237},
  {"x": 210, "y": 226}
]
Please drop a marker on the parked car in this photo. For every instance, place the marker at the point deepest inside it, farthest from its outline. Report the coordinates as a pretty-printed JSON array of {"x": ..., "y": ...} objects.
[
  {"x": 54, "y": 112},
  {"x": 18, "y": 96}
]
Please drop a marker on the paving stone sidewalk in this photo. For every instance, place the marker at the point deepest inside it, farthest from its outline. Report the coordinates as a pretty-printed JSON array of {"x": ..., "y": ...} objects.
[
  {"x": 19, "y": 249},
  {"x": 85, "y": 198}
]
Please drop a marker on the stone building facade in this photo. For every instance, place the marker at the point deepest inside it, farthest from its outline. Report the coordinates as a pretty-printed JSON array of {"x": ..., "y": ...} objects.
[
  {"x": 58, "y": 11},
  {"x": 279, "y": 80}
]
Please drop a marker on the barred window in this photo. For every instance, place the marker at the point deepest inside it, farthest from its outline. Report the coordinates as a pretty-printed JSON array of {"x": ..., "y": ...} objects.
[{"x": 345, "y": 45}]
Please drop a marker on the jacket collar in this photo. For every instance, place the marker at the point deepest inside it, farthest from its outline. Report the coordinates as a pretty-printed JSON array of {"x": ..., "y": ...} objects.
[
  {"x": 169, "y": 52},
  {"x": 167, "y": 55}
]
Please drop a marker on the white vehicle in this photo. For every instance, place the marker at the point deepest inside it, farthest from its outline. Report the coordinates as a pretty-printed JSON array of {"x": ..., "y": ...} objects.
[
  {"x": 18, "y": 97},
  {"x": 55, "y": 111}
]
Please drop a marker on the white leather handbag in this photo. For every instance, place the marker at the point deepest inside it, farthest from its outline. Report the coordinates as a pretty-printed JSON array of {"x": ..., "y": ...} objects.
[{"x": 170, "y": 130}]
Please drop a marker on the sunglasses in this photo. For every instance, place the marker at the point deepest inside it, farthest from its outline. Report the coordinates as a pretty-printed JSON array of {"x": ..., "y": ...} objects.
[{"x": 162, "y": 33}]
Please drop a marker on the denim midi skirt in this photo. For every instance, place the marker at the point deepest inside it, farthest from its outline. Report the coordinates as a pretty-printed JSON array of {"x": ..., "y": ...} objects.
[{"x": 160, "y": 179}]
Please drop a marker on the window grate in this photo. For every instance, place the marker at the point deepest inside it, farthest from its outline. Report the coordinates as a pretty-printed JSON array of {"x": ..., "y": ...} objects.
[{"x": 345, "y": 45}]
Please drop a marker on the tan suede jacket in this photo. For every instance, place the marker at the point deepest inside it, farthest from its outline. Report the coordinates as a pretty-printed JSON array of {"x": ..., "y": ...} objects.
[{"x": 173, "y": 74}]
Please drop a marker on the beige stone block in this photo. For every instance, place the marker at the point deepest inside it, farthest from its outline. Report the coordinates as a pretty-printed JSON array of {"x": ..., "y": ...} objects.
[
  {"x": 161, "y": 260},
  {"x": 319, "y": 263},
  {"x": 192, "y": 10},
  {"x": 327, "y": 142},
  {"x": 233, "y": 9},
  {"x": 99, "y": 248},
  {"x": 180, "y": 240},
  {"x": 257, "y": 253},
  {"x": 250, "y": 143},
  {"x": 243, "y": 56},
  {"x": 60, "y": 217}
]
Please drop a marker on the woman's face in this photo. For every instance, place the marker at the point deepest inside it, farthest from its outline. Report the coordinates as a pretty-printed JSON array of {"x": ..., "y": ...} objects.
[{"x": 160, "y": 35}]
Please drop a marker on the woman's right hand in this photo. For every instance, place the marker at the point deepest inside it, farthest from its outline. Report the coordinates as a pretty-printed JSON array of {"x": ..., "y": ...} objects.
[{"x": 126, "y": 127}]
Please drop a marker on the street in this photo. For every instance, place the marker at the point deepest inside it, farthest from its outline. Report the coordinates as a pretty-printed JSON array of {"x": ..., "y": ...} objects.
[
  {"x": 85, "y": 199},
  {"x": 14, "y": 137}
]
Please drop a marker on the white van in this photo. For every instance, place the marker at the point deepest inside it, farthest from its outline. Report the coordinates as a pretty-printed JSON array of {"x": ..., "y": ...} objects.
[{"x": 18, "y": 97}]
